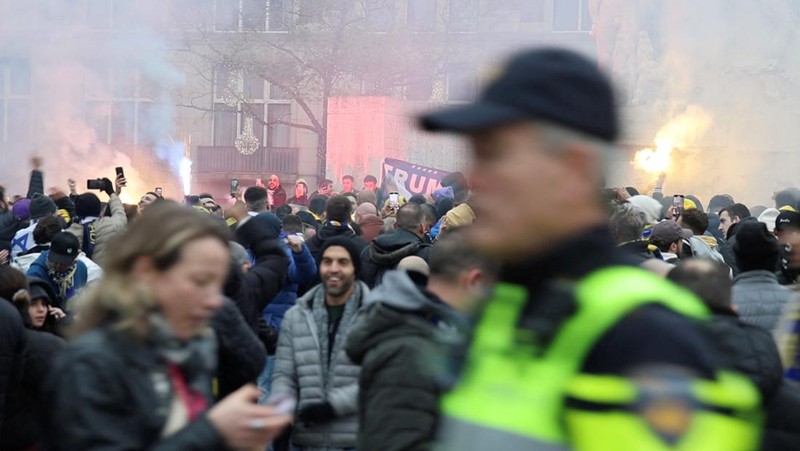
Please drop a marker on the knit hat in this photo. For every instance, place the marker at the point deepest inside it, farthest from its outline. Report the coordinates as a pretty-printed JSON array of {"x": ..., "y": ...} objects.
[
  {"x": 769, "y": 217},
  {"x": 371, "y": 226},
  {"x": 443, "y": 193},
  {"x": 269, "y": 222},
  {"x": 42, "y": 206},
  {"x": 366, "y": 209},
  {"x": 649, "y": 206},
  {"x": 22, "y": 209},
  {"x": 754, "y": 242},
  {"x": 349, "y": 245},
  {"x": 459, "y": 216},
  {"x": 87, "y": 204}
]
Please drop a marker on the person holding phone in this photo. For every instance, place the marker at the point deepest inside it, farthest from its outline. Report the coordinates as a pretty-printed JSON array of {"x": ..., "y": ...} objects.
[
  {"x": 139, "y": 373},
  {"x": 93, "y": 230}
]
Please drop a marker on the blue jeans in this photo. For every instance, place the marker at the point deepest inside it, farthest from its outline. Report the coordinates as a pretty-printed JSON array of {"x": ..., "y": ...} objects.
[{"x": 265, "y": 379}]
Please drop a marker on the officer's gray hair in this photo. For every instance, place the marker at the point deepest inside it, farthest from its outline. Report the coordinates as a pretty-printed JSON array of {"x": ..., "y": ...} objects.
[{"x": 557, "y": 136}]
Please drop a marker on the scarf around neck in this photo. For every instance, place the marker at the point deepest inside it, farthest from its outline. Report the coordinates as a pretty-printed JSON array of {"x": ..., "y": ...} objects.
[{"x": 64, "y": 280}]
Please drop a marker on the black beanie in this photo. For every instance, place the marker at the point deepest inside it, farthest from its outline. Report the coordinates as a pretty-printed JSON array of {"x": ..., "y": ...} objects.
[
  {"x": 349, "y": 245},
  {"x": 87, "y": 204},
  {"x": 755, "y": 247},
  {"x": 42, "y": 206}
]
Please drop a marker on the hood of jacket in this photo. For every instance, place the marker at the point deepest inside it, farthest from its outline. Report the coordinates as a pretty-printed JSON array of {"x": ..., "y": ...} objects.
[
  {"x": 330, "y": 231},
  {"x": 709, "y": 240},
  {"x": 388, "y": 249}
]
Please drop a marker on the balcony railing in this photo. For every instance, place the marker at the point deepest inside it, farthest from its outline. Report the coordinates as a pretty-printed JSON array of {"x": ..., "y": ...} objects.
[{"x": 221, "y": 159}]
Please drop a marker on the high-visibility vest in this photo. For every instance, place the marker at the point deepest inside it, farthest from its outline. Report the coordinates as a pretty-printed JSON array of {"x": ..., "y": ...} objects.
[{"x": 513, "y": 396}]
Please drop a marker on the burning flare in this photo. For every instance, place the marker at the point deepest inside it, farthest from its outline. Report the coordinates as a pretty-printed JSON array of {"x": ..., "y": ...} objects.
[{"x": 680, "y": 132}]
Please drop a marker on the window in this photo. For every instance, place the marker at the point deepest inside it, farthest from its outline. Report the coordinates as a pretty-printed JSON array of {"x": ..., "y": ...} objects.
[
  {"x": 254, "y": 15},
  {"x": 225, "y": 118},
  {"x": 571, "y": 15},
  {"x": 421, "y": 15},
  {"x": 256, "y": 111},
  {"x": 119, "y": 106},
  {"x": 14, "y": 102},
  {"x": 280, "y": 14},
  {"x": 462, "y": 15},
  {"x": 276, "y": 93},
  {"x": 380, "y": 14},
  {"x": 278, "y": 134},
  {"x": 226, "y": 15},
  {"x": 462, "y": 83},
  {"x": 310, "y": 12}
]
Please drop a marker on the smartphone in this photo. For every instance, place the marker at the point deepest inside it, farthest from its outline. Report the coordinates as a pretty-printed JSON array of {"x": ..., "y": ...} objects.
[
  {"x": 159, "y": 191},
  {"x": 283, "y": 405},
  {"x": 120, "y": 172},
  {"x": 234, "y": 187},
  {"x": 394, "y": 198},
  {"x": 677, "y": 205}
]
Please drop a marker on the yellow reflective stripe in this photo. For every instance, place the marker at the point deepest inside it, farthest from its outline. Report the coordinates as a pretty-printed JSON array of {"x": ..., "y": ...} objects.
[
  {"x": 730, "y": 390},
  {"x": 602, "y": 389}
]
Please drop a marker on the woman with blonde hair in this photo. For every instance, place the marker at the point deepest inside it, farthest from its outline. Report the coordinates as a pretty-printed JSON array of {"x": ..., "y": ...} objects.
[{"x": 139, "y": 373}]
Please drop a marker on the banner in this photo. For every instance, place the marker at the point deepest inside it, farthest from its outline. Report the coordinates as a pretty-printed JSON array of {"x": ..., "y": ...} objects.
[{"x": 409, "y": 179}]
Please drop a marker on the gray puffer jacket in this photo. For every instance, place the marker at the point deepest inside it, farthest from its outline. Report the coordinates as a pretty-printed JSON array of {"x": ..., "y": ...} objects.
[
  {"x": 301, "y": 369},
  {"x": 759, "y": 299}
]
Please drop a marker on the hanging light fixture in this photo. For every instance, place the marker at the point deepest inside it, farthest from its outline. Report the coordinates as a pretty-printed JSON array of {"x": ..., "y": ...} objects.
[{"x": 247, "y": 142}]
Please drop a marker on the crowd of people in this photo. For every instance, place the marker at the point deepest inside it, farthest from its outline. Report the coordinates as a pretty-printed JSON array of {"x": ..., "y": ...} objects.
[{"x": 473, "y": 318}]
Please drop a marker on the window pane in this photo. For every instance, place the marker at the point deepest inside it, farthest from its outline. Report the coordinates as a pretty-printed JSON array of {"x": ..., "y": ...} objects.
[
  {"x": 276, "y": 93},
  {"x": 532, "y": 11},
  {"x": 254, "y": 15},
  {"x": 20, "y": 78},
  {"x": 463, "y": 15},
  {"x": 462, "y": 83},
  {"x": 419, "y": 89},
  {"x": 422, "y": 15},
  {"x": 278, "y": 134},
  {"x": 18, "y": 121},
  {"x": 226, "y": 15},
  {"x": 3, "y": 70},
  {"x": 123, "y": 83},
  {"x": 224, "y": 125},
  {"x": 310, "y": 12},
  {"x": 2, "y": 117},
  {"x": 380, "y": 14},
  {"x": 255, "y": 111},
  {"x": 253, "y": 87},
  {"x": 280, "y": 14},
  {"x": 586, "y": 18},
  {"x": 97, "y": 114},
  {"x": 122, "y": 123},
  {"x": 565, "y": 15},
  {"x": 98, "y": 14}
]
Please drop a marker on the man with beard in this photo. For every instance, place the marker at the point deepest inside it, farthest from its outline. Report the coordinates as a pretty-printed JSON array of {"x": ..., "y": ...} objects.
[
  {"x": 277, "y": 195},
  {"x": 311, "y": 364}
]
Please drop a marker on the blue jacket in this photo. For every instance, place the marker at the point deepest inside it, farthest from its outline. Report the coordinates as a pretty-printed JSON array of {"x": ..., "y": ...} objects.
[
  {"x": 38, "y": 269},
  {"x": 302, "y": 268}
]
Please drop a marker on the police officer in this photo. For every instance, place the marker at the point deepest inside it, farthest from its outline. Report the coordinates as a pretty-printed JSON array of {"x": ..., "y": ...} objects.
[{"x": 576, "y": 349}]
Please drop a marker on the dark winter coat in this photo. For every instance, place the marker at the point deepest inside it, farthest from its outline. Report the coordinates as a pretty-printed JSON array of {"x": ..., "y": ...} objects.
[
  {"x": 107, "y": 391},
  {"x": 759, "y": 298},
  {"x": 279, "y": 197},
  {"x": 730, "y": 241},
  {"x": 9, "y": 225},
  {"x": 39, "y": 270},
  {"x": 253, "y": 290},
  {"x": 21, "y": 427},
  {"x": 394, "y": 339},
  {"x": 386, "y": 251},
  {"x": 302, "y": 269},
  {"x": 12, "y": 347},
  {"x": 241, "y": 354}
]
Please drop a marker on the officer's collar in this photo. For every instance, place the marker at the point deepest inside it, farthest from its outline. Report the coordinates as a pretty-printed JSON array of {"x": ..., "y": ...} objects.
[{"x": 571, "y": 259}]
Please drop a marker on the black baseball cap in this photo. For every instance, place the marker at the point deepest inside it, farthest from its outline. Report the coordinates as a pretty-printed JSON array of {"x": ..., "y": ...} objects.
[
  {"x": 64, "y": 248},
  {"x": 787, "y": 220},
  {"x": 549, "y": 84}
]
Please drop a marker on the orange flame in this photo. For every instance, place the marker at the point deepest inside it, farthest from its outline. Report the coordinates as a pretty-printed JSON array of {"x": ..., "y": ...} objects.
[{"x": 682, "y": 131}]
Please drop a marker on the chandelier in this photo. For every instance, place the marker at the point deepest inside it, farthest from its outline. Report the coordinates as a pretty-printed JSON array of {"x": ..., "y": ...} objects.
[{"x": 247, "y": 142}]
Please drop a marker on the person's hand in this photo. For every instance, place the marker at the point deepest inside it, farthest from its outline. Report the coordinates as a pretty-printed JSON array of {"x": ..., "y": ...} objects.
[
  {"x": 4, "y": 255},
  {"x": 36, "y": 162},
  {"x": 316, "y": 413},
  {"x": 622, "y": 194},
  {"x": 387, "y": 211},
  {"x": 56, "y": 312},
  {"x": 120, "y": 183},
  {"x": 238, "y": 211},
  {"x": 245, "y": 424},
  {"x": 108, "y": 186},
  {"x": 295, "y": 243},
  {"x": 72, "y": 186}
]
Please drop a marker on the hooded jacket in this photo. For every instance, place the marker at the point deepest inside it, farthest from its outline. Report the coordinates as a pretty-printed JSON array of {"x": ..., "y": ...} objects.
[
  {"x": 396, "y": 339},
  {"x": 702, "y": 248},
  {"x": 303, "y": 373},
  {"x": 12, "y": 347},
  {"x": 371, "y": 226},
  {"x": 105, "y": 228},
  {"x": 730, "y": 241},
  {"x": 93, "y": 270},
  {"x": 302, "y": 269},
  {"x": 386, "y": 251}
]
